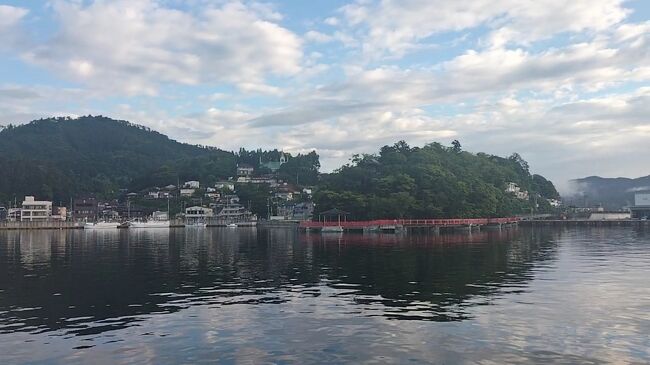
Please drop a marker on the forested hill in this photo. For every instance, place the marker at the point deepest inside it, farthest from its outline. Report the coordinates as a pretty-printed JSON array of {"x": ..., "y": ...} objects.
[
  {"x": 432, "y": 181},
  {"x": 611, "y": 193},
  {"x": 60, "y": 157}
]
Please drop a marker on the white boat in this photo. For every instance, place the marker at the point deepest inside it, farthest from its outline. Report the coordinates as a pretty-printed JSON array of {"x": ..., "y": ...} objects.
[
  {"x": 232, "y": 225},
  {"x": 101, "y": 225},
  {"x": 149, "y": 224},
  {"x": 332, "y": 229}
]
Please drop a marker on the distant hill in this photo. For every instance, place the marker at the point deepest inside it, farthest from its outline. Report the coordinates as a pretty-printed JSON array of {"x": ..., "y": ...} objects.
[
  {"x": 612, "y": 193},
  {"x": 60, "y": 157},
  {"x": 432, "y": 181}
]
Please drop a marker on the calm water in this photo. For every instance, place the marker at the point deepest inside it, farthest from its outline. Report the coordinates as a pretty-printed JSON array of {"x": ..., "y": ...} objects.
[{"x": 246, "y": 296}]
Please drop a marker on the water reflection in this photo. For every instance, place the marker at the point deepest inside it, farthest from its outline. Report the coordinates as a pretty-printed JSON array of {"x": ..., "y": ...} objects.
[
  {"x": 88, "y": 282},
  {"x": 301, "y": 297}
]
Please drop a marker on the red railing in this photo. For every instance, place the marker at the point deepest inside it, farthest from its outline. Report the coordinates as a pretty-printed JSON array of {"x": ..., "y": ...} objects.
[{"x": 410, "y": 222}]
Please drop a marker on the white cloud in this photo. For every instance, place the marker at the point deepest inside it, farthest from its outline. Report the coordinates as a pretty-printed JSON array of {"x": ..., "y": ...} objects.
[
  {"x": 10, "y": 19},
  {"x": 10, "y": 16},
  {"x": 135, "y": 46},
  {"x": 393, "y": 27},
  {"x": 317, "y": 37}
]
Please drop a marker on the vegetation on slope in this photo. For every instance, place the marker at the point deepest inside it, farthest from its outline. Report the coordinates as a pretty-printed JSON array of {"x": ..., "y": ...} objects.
[{"x": 432, "y": 181}]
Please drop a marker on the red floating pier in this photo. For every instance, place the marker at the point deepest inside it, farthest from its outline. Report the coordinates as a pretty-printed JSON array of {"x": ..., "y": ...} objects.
[{"x": 396, "y": 224}]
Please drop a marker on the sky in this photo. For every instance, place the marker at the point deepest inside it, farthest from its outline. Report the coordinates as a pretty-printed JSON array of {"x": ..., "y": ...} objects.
[{"x": 563, "y": 83}]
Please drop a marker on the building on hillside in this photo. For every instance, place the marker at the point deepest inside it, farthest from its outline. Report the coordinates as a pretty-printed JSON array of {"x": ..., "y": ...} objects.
[
  {"x": 213, "y": 195},
  {"x": 274, "y": 166},
  {"x": 244, "y": 170},
  {"x": 192, "y": 184},
  {"x": 514, "y": 189},
  {"x": 185, "y": 192},
  {"x": 225, "y": 185},
  {"x": 555, "y": 203},
  {"x": 266, "y": 179},
  {"x": 641, "y": 208},
  {"x": 229, "y": 199},
  {"x": 35, "y": 210}
]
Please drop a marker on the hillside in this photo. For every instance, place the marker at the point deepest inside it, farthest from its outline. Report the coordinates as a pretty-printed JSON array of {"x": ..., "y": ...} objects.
[
  {"x": 612, "y": 193},
  {"x": 432, "y": 181},
  {"x": 60, "y": 157}
]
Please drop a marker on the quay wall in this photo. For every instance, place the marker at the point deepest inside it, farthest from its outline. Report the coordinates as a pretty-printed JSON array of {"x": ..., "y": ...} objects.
[
  {"x": 585, "y": 223},
  {"x": 40, "y": 225}
]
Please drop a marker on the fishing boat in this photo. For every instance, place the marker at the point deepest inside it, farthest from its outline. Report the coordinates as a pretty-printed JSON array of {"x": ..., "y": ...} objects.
[
  {"x": 101, "y": 225},
  {"x": 232, "y": 225}
]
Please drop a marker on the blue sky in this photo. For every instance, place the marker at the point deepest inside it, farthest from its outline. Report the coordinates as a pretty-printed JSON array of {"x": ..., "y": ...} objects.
[{"x": 563, "y": 84}]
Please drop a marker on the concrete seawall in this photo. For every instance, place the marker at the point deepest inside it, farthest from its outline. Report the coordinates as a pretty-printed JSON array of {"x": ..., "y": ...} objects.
[
  {"x": 585, "y": 223},
  {"x": 40, "y": 225}
]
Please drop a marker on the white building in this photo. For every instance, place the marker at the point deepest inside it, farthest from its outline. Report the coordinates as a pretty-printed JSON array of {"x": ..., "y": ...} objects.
[
  {"x": 159, "y": 216},
  {"x": 198, "y": 213},
  {"x": 606, "y": 216},
  {"x": 554, "y": 202},
  {"x": 35, "y": 210},
  {"x": 642, "y": 199},
  {"x": 228, "y": 185},
  {"x": 192, "y": 184},
  {"x": 516, "y": 190},
  {"x": 187, "y": 192}
]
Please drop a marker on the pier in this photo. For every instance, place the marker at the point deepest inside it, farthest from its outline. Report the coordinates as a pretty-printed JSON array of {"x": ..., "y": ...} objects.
[{"x": 401, "y": 225}]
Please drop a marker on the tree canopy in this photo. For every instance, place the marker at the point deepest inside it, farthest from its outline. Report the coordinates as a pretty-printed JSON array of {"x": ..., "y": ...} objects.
[{"x": 433, "y": 181}]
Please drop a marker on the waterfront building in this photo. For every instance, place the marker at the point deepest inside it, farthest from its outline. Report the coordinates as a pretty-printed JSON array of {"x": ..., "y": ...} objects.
[
  {"x": 3, "y": 214},
  {"x": 160, "y": 216},
  {"x": 641, "y": 208},
  {"x": 59, "y": 214},
  {"x": 198, "y": 213},
  {"x": 607, "y": 216},
  {"x": 35, "y": 210},
  {"x": 85, "y": 209},
  {"x": 234, "y": 212},
  {"x": 13, "y": 214}
]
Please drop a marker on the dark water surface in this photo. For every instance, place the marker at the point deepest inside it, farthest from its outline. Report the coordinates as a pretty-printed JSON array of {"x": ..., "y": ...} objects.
[{"x": 275, "y": 296}]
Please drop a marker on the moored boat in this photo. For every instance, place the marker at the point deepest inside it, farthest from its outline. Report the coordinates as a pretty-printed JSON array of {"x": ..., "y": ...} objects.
[
  {"x": 149, "y": 224},
  {"x": 101, "y": 225}
]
